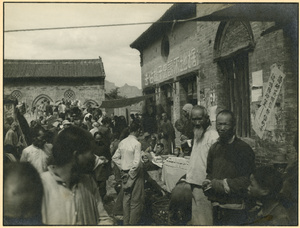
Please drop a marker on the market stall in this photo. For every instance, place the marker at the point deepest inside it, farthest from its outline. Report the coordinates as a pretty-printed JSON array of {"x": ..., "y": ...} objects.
[{"x": 172, "y": 170}]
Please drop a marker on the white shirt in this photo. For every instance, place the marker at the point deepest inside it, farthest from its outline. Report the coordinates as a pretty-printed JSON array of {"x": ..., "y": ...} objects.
[
  {"x": 196, "y": 172},
  {"x": 94, "y": 130},
  {"x": 81, "y": 205},
  {"x": 37, "y": 157},
  {"x": 128, "y": 155},
  {"x": 62, "y": 108}
]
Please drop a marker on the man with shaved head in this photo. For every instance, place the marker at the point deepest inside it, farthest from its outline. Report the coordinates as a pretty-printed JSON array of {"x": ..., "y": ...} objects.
[
  {"x": 204, "y": 137},
  {"x": 230, "y": 162},
  {"x": 71, "y": 196}
]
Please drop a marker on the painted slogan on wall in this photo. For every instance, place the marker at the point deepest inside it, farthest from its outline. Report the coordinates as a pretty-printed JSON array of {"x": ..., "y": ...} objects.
[
  {"x": 269, "y": 99},
  {"x": 173, "y": 67}
]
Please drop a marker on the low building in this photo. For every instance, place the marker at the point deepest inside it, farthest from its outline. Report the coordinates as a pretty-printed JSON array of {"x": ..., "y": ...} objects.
[
  {"x": 242, "y": 57},
  {"x": 33, "y": 81}
]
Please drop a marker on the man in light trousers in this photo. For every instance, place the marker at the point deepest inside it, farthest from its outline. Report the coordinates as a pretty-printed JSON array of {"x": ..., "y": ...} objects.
[{"x": 128, "y": 158}]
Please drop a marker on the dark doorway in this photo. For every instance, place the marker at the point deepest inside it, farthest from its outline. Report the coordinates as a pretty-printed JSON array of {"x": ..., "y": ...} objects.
[{"x": 236, "y": 72}]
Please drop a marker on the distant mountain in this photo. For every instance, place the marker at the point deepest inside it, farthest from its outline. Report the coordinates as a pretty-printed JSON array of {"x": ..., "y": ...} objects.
[
  {"x": 128, "y": 91},
  {"x": 125, "y": 90}
]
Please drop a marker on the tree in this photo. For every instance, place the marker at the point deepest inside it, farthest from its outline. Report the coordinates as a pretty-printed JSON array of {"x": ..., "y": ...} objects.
[{"x": 114, "y": 94}]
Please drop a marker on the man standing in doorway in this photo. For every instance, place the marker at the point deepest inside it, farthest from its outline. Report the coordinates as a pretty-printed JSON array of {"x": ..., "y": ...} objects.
[
  {"x": 184, "y": 124},
  {"x": 128, "y": 158},
  {"x": 204, "y": 137},
  {"x": 166, "y": 133},
  {"x": 229, "y": 165}
]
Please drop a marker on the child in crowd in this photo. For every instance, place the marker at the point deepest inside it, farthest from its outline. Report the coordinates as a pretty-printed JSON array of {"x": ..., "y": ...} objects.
[{"x": 265, "y": 185}]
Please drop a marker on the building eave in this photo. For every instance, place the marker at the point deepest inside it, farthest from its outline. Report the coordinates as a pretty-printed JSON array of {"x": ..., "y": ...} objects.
[{"x": 177, "y": 11}]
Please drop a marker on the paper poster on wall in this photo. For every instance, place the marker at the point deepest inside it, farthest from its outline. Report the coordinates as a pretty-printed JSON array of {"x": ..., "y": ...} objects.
[
  {"x": 256, "y": 94},
  {"x": 267, "y": 104},
  {"x": 257, "y": 86},
  {"x": 257, "y": 78}
]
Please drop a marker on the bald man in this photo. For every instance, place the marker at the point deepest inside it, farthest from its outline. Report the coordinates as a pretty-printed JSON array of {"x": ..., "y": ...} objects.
[{"x": 22, "y": 196}]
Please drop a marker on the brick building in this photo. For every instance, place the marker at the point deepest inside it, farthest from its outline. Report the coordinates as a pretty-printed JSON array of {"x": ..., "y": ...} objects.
[
  {"x": 242, "y": 57},
  {"x": 33, "y": 81}
]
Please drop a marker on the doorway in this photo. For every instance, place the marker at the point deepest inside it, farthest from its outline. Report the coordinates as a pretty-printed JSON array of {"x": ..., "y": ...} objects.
[{"x": 236, "y": 72}]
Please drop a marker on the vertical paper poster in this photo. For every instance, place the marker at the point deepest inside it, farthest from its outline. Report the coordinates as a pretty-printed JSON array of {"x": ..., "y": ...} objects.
[
  {"x": 257, "y": 84},
  {"x": 269, "y": 99}
]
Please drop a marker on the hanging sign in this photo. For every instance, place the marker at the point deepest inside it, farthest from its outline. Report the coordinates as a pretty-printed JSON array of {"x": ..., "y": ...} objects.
[{"x": 269, "y": 99}]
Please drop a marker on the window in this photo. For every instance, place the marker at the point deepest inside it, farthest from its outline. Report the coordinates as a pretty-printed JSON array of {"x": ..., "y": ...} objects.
[
  {"x": 189, "y": 85},
  {"x": 69, "y": 94},
  {"x": 17, "y": 94},
  {"x": 165, "y": 47}
]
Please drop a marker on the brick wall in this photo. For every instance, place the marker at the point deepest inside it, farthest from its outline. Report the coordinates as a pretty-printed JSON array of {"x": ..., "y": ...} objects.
[
  {"x": 269, "y": 49},
  {"x": 209, "y": 77},
  {"x": 274, "y": 47},
  {"x": 182, "y": 59}
]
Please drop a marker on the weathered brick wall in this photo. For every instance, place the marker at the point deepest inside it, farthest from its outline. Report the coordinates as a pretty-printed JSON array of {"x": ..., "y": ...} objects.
[
  {"x": 83, "y": 91},
  {"x": 274, "y": 47},
  {"x": 269, "y": 49},
  {"x": 210, "y": 85},
  {"x": 182, "y": 39}
]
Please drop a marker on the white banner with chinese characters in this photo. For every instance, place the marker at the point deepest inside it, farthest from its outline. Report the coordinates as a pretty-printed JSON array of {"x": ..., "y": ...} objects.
[{"x": 268, "y": 102}]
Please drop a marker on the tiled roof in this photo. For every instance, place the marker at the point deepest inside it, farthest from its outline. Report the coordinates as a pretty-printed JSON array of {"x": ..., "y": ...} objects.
[{"x": 74, "y": 68}]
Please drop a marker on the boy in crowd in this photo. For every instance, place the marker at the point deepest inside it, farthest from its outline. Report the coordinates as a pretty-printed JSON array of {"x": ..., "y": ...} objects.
[{"x": 266, "y": 183}]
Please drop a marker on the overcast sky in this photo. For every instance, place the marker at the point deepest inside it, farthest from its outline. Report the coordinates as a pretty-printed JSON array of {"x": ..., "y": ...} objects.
[{"x": 121, "y": 63}]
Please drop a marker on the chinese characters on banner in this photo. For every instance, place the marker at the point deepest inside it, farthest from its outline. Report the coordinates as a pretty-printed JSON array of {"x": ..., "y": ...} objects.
[
  {"x": 189, "y": 60},
  {"x": 268, "y": 102}
]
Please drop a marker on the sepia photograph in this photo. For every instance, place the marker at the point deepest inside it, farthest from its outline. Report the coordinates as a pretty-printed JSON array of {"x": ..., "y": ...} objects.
[{"x": 150, "y": 113}]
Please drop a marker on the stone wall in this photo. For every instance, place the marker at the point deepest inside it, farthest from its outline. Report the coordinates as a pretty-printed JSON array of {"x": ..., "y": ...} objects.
[{"x": 55, "y": 91}]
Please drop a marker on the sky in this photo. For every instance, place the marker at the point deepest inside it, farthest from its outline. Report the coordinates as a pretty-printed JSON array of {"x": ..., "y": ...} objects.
[{"x": 112, "y": 44}]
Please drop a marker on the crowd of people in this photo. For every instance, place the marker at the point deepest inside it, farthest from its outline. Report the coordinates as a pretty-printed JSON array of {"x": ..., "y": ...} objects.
[{"x": 65, "y": 161}]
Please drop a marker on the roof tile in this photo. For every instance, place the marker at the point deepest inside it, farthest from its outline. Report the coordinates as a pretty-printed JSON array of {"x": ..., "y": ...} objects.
[{"x": 53, "y": 68}]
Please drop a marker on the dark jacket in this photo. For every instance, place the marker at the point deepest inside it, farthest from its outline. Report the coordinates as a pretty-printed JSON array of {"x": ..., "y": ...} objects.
[
  {"x": 274, "y": 216},
  {"x": 185, "y": 127},
  {"x": 102, "y": 172},
  {"x": 235, "y": 162}
]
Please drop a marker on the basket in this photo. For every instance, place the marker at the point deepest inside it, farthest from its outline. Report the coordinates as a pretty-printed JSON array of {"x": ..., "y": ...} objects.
[{"x": 160, "y": 212}]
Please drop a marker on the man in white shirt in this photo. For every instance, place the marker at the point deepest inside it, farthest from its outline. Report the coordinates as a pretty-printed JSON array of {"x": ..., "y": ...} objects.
[
  {"x": 204, "y": 137},
  {"x": 37, "y": 154},
  {"x": 128, "y": 158},
  {"x": 95, "y": 128}
]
